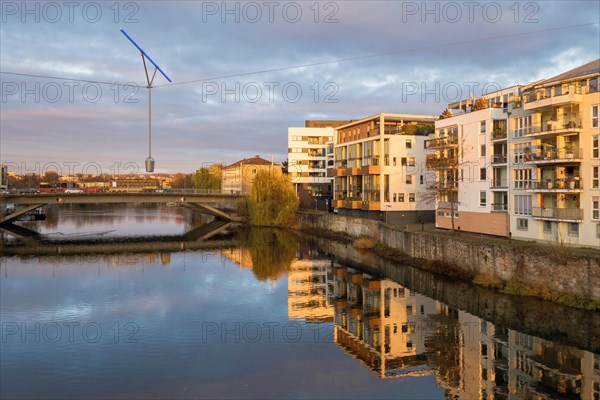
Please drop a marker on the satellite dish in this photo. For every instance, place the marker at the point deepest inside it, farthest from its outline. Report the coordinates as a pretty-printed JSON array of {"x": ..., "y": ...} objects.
[{"x": 149, "y": 161}]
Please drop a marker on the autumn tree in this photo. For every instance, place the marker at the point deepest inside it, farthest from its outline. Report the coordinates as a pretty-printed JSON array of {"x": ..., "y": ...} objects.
[
  {"x": 208, "y": 178},
  {"x": 184, "y": 181}
]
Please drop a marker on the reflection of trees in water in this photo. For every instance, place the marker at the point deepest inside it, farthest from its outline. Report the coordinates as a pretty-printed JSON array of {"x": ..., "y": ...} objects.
[
  {"x": 444, "y": 349},
  {"x": 272, "y": 252}
]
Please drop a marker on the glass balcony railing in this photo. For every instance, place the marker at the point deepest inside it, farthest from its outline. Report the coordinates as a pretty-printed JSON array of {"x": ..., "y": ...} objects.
[
  {"x": 571, "y": 183},
  {"x": 442, "y": 142},
  {"x": 548, "y": 127},
  {"x": 499, "y": 159},
  {"x": 568, "y": 214},
  {"x": 545, "y": 154},
  {"x": 499, "y": 207}
]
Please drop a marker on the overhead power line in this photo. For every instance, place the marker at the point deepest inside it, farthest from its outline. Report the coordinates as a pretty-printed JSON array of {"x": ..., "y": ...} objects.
[{"x": 314, "y": 64}]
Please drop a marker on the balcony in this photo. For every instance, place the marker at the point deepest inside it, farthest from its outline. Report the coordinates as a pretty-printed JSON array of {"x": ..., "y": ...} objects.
[
  {"x": 557, "y": 214},
  {"x": 441, "y": 143},
  {"x": 571, "y": 184},
  {"x": 540, "y": 100},
  {"x": 551, "y": 156},
  {"x": 499, "y": 134},
  {"x": 500, "y": 207},
  {"x": 499, "y": 159},
  {"x": 446, "y": 205},
  {"x": 499, "y": 183},
  {"x": 550, "y": 128},
  {"x": 435, "y": 162}
]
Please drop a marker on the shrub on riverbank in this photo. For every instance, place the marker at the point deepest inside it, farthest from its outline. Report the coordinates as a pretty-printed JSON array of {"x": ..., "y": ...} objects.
[
  {"x": 272, "y": 201},
  {"x": 364, "y": 243}
]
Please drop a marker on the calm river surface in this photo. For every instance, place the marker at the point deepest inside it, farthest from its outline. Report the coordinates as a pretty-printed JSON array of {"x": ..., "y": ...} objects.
[{"x": 94, "y": 310}]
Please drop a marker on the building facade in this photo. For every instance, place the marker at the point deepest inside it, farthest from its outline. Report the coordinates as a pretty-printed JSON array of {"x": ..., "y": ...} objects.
[
  {"x": 379, "y": 168},
  {"x": 308, "y": 162},
  {"x": 239, "y": 176},
  {"x": 555, "y": 162}
]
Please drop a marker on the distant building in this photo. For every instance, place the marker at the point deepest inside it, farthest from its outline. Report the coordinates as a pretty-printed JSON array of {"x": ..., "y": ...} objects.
[
  {"x": 239, "y": 176},
  {"x": 3, "y": 177},
  {"x": 308, "y": 162},
  {"x": 380, "y": 168}
]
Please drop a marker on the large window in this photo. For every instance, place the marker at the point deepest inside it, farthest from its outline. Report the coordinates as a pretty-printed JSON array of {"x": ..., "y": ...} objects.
[
  {"x": 522, "y": 178},
  {"x": 595, "y": 116},
  {"x": 522, "y": 126},
  {"x": 482, "y": 198},
  {"x": 522, "y": 152},
  {"x": 522, "y": 204},
  {"x": 595, "y": 146},
  {"x": 522, "y": 224},
  {"x": 482, "y": 126},
  {"x": 596, "y": 208},
  {"x": 595, "y": 177}
]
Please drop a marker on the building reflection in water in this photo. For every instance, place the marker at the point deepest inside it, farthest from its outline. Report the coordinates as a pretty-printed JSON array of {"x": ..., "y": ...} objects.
[
  {"x": 308, "y": 291},
  {"x": 396, "y": 332}
]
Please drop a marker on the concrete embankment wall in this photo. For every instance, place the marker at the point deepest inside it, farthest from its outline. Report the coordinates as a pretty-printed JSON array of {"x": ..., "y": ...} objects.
[{"x": 579, "y": 276}]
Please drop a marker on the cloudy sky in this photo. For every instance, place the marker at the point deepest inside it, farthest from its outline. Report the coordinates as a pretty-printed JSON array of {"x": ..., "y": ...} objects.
[{"x": 233, "y": 94}]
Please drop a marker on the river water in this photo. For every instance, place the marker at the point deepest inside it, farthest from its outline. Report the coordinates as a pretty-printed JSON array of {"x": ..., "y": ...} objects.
[{"x": 113, "y": 302}]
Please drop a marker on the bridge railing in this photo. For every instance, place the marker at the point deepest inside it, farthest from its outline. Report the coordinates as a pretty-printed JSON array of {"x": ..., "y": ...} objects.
[{"x": 198, "y": 191}]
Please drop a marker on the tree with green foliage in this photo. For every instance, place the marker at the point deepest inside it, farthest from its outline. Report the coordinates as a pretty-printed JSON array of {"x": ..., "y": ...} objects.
[
  {"x": 208, "y": 178},
  {"x": 272, "y": 201}
]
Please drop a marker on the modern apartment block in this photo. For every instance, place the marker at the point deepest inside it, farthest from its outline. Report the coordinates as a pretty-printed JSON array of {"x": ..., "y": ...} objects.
[
  {"x": 308, "y": 162},
  {"x": 555, "y": 160},
  {"x": 380, "y": 170},
  {"x": 523, "y": 161},
  {"x": 471, "y": 165}
]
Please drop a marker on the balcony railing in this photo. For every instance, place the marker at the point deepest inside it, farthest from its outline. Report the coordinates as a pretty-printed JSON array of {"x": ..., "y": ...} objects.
[
  {"x": 500, "y": 207},
  {"x": 499, "y": 134},
  {"x": 433, "y": 161},
  {"x": 548, "y": 127},
  {"x": 550, "y": 154},
  {"x": 447, "y": 205},
  {"x": 442, "y": 142},
  {"x": 499, "y": 183},
  {"x": 499, "y": 159},
  {"x": 568, "y": 214},
  {"x": 572, "y": 183}
]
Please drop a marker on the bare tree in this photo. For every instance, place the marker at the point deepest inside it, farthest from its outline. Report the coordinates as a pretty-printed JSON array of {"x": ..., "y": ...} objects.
[{"x": 445, "y": 168}]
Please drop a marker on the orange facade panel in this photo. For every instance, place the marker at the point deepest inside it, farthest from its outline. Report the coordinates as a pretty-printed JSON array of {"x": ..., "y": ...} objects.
[{"x": 468, "y": 221}]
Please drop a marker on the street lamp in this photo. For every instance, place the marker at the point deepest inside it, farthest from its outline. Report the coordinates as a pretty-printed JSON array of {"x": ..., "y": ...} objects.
[
  {"x": 386, "y": 212},
  {"x": 149, "y": 160}
]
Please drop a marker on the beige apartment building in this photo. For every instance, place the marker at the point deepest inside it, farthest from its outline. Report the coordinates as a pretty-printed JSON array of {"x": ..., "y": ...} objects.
[
  {"x": 379, "y": 168},
  {"x": 239, "y": 176},
  {"x": 555, "y": 161},
  {"x": 523, "y": 161}
]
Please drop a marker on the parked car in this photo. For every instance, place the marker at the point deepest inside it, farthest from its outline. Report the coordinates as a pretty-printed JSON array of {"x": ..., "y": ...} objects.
[{"x": 73, "y": 190}]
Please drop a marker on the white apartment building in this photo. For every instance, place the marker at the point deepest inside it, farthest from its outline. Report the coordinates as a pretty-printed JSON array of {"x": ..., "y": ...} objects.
[
  {"x": 471, "y": 165},
  {"x": 379, "y": 168},
  {"x": 307, "y": 162}
]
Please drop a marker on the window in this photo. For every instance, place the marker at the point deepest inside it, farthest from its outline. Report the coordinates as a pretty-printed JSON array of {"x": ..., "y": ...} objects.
[
  {"x": 409, "y": 179},
  {"x": 394, "y": 197},
  {"x": 522, "y": 178},
  {"x": 411, "y": 197},
  {"x": 482, "y": 126},
  {"x": 482, "y": 174},
  {"x": 411, "y": 161},
  {"x": 522, "y": 205},
  {"x": 409, "y": 144},
  {"x": 574, "y": 229},
  {"x": 547, "y": 226},
  {"x": 482, "y": 198},
  {"x": 522, "y": 126},
  {"x": 595, "y": 177},
  {"x": 522, "y": 224},
  {"x": 421, "y": 180},
  {"x": 595, "y": 116},
  {"x": 401, "y": 197},
  {"x": 522, "y": 152},
  {"x": 403, "y": 161},
  {"x": 596, "y": 208},
  {"x": 482, "y": 152},
  {"x": 595, "y": 146}
]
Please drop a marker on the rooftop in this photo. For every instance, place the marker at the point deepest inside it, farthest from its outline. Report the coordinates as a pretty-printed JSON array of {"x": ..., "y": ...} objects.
[{"x": 256, "y": 160}]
